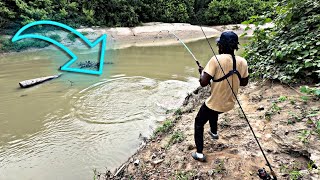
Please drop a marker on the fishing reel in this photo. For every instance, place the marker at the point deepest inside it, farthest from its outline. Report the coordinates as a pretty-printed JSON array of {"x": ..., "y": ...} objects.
[{"x": 262, "y": 173}]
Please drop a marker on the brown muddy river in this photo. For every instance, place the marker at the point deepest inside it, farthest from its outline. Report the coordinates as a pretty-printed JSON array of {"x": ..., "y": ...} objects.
[{"x": 65, "y": 128}]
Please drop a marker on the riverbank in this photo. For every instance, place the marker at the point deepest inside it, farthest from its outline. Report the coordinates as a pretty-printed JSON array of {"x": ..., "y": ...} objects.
[
  {"x": 284, "y": 122},
  {"x": 158, "y": 34},
  {"x": 149, "y": 34}
]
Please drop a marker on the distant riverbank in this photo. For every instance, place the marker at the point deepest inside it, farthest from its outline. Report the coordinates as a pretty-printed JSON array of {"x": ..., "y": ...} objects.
[
  {"x": 158, "y": 34},
  {"x": 149, "y": 34}
]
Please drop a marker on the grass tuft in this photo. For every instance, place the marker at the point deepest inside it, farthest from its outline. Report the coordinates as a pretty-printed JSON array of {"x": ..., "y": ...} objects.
[{"x": 165, "y": 127}]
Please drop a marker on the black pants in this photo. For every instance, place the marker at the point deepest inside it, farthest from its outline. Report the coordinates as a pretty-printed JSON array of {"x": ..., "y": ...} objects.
[{"x": 202, "y": 118}]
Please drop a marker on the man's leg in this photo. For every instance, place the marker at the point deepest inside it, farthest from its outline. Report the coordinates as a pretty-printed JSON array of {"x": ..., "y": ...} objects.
[
  {"x": 200, "y": 121},
  {"x": 213, "y": 121}
]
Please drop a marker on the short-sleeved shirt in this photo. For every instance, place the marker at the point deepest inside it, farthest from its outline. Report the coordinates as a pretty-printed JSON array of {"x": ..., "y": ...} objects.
[{"x": 222, "y": 98}]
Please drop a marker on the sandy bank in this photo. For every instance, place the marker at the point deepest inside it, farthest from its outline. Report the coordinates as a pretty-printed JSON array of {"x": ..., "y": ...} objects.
[{"x": 158, "y": 34}]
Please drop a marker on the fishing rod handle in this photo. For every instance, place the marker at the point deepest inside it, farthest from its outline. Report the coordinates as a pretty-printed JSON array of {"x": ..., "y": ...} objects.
[
  {"x": 273, "y": 175},
  {"x": 198, "y": 63}
]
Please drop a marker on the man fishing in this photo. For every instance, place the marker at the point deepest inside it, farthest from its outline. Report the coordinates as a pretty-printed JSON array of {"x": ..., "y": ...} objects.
[{"x": 235, "y": 73}]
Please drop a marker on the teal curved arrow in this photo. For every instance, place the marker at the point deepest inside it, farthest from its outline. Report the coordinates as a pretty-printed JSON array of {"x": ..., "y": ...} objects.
[{"x": 66, "y": 67}]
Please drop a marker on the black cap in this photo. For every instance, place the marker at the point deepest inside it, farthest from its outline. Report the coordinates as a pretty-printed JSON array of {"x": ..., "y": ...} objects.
[{"x": 228, "y": 38}]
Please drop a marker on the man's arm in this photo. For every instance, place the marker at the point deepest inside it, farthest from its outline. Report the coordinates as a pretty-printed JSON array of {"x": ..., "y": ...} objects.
[
  {"x": 244, "y": 81},
  {"x": 204, "y": 77}
]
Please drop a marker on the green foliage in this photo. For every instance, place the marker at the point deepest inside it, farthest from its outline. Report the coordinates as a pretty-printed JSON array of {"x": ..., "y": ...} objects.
[
  {"x": 310, "y": 165},
  {"x": 234, "y": 11},
  {"x": 292, "y": 101},
  {"x": 115, "y": 12},
  {"x": 282, "y": 98},
  {"x": 274, "y": 109},
  {"x": 304, "y": 98},
  {"x": 169, "y": 111},
  {"x": 166, "y": 10},
  {"x": 14, "y": 14},
  {"x": 294, "y": 118},
  {"x": 219, "y": 167},
  {"x": 289, "y": 51},
  {"x": 55, "y": 37},
  {"x": 94, "y": 174},
  {"x": 72, "y": 37},
  {"x": 295, "y": 175},
  {"x": 178, "y": 112},
  {"x": 176, "y": 137},
  {"x": 313, "y": 120},
  {"x": 290, "y": 122},
  {"x": 309, "y": 90},
  {"x": 5, "y": 14},
  {"x": 165, "y": 127},
  {"x": 318, "y": 128},
  {"x": 200, "y": 8},
  {"x": 7, "y": 45},
  {"x": 184, "y": 175},
  {"x": 84, "y": 33},
  {"x": 304, "y": 136},
  {"x": 283, "y": 168}
]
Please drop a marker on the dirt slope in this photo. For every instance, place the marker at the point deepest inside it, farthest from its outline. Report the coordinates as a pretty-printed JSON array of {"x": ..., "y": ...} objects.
[{"x": 277, "y": 114}]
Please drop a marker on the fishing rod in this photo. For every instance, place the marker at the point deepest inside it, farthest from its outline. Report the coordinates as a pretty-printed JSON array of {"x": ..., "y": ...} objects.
[
  {"x": 262, "y": 174},
  {"x": 195, "y": 59}
]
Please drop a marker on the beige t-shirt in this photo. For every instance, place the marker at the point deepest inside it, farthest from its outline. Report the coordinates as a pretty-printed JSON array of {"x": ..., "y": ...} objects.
[{"x": 221, "y": 98}]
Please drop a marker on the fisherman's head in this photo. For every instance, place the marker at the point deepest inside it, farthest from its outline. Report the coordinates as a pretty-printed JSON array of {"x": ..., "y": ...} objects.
[{"x": 228, "y": 42}]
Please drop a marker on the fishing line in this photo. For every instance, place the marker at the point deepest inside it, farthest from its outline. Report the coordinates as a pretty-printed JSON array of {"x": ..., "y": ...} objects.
[
  {"x": 196, "y": 60},
  {"x": 265, "y": 157}
]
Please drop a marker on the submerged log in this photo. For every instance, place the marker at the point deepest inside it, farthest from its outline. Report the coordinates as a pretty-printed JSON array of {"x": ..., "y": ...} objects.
[
  {"x": 32, "y": 82},
  {"x": 91, "y": 64}
]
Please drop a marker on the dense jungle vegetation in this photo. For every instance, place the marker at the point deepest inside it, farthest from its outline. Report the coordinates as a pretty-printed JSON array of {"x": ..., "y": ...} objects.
[
  {"x": 290, "y": 51},
  {"x": 15, "y": 13}
]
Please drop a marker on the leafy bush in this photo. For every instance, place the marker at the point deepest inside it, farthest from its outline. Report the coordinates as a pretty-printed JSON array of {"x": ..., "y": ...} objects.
[
  {"x": 114, "y": 12},
  {"x": 234, "y": 11},
  {"x": 165, "y": 10},
  {"x": 55, "y": 37},
  {"x": 199, "y": 8},
  {"x": 165, "y": 127},
  {"x": 290, "y": 51},
  {"x": 295, "y": 175},
  {"x": 175, "y": 10},
  {"x": 176, "y": 137},
  {"x": 72, "y": 37},
  {"x": 7, "y": 45},
  {"x": 309, "y": 90}
]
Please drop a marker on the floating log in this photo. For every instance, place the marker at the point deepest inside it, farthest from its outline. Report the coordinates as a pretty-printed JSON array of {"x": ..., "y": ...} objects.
[{"x": 33, "y": 82}]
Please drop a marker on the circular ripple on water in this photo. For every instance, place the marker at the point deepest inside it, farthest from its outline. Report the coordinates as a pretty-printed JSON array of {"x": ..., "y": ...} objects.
[{"x": 129, "y": 99}]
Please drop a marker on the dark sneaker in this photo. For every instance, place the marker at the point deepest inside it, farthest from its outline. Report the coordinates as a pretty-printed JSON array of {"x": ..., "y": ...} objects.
[
  {"x": 213, "y": 136},
  {"x": 194, "y": 155}
]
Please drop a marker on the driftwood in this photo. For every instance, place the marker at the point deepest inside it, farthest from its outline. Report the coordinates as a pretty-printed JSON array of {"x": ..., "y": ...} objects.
[{"x": 32, "y": 82}]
